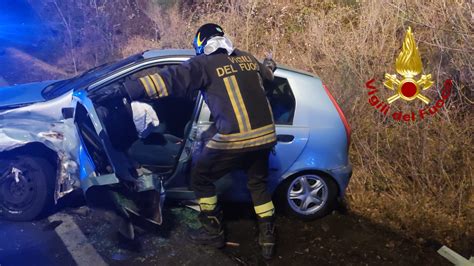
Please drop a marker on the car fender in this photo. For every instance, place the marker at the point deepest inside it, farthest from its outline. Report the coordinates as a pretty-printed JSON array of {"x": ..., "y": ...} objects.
[{"x": 43, "y": 123}]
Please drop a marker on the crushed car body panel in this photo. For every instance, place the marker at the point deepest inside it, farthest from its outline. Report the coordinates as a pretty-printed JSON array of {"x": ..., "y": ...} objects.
[{"x": 42, "y": 122}]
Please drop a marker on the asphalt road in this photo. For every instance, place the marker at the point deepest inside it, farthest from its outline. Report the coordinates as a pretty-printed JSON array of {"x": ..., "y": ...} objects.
[
  {"x": 79, "y": 235},
  {"x": 31, "y": 243}
]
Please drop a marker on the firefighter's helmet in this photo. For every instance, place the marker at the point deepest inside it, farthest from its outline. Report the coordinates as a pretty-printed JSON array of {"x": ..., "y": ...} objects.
[{"x": 204, "y": 33}]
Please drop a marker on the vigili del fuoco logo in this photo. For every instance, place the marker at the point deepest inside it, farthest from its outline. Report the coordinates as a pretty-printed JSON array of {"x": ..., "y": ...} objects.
[{"x": 408, "y": 85}]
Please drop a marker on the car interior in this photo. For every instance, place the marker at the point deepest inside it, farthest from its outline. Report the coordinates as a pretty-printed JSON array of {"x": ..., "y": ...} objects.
[{"x": 161, "y": 149}]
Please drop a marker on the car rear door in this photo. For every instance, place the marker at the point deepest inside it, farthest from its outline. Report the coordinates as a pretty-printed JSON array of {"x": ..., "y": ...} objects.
[{"x": 291, "y": 137}]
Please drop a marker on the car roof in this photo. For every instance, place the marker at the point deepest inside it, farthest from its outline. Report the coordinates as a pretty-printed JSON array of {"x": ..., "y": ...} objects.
[
  {"x": 299, "y": 71},
  {"x": 189, "y": 52},
  {"x": 167, "y": 52}
]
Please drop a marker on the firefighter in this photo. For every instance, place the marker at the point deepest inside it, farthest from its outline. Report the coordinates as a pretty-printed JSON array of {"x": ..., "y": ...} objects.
[{"x": 242, "y": 136}]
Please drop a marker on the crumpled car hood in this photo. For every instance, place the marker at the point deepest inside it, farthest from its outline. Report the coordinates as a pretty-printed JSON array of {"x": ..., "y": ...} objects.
[
  {"x": 23, "y": 94},
  {"x": 27, "y": 124}
]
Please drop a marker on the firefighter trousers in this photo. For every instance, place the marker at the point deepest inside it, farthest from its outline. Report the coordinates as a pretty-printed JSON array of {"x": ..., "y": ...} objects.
[{"x": 212, "y": 164}]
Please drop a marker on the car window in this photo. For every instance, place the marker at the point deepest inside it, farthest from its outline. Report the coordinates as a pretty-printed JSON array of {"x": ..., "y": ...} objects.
[
  {"x": 61, "y": 87},
  {"x": 281, "y": 99}
]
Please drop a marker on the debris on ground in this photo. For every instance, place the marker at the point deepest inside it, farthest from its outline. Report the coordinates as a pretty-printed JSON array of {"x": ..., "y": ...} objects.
[
  {"x": 82, "y": 211},
  {"x": 52, "y": 225},
  {"x": 232, "y": 244}
]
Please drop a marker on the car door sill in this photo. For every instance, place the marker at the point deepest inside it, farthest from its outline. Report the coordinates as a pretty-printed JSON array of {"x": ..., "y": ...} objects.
[{"x": 181, "y": 193}]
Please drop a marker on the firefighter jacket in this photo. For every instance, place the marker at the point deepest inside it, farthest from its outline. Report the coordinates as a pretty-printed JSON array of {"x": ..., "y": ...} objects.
[{"x": 232, "y": 86}]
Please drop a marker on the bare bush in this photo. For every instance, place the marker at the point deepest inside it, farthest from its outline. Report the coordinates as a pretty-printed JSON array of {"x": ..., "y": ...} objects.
[{"x": 92, "y": 31}]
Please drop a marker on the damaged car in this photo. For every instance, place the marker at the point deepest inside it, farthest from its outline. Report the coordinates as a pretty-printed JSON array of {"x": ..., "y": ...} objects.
[{"x": 58, "y": 136}]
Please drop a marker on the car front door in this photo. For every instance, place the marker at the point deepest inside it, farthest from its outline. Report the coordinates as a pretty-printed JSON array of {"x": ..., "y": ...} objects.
[{"x": 101, "y": 150}]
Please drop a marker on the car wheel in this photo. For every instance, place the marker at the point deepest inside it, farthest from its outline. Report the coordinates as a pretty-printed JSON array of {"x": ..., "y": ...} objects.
[
  {"x": 26, "y": 188},
  {"x": 308, "y": 195}
]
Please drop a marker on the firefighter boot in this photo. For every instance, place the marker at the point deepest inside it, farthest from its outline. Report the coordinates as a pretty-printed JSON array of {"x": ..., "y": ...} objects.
[
  {"x": 267, "y": 236},
  {"x": 211, "y": 232}
]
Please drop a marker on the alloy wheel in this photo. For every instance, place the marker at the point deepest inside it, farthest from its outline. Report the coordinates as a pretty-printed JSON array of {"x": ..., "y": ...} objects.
[{"x": 307, "y": 194}]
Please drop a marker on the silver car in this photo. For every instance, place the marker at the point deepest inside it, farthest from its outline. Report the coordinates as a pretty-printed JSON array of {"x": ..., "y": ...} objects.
[{"x": 57, "y": 136}]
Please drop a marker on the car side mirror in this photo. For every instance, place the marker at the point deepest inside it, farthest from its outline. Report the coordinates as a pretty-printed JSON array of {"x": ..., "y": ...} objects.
[{"x": 68, "y": 112}]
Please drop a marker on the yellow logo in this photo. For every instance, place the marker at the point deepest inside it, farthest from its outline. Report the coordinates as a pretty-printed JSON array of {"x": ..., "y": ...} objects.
[
  {"x": 408, "y": 65},
  {"x": 199, "y": 42}
]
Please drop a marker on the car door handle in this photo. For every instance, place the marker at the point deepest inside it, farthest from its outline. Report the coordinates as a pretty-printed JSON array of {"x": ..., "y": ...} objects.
[{"x": 285, "y": 138}]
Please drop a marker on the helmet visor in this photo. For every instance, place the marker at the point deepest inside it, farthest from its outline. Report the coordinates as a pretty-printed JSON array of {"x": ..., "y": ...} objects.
[{"x": 199, "y": 49}]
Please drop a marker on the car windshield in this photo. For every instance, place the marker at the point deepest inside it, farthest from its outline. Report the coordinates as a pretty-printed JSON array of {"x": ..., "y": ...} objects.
[{"x": 58, "y": 88}]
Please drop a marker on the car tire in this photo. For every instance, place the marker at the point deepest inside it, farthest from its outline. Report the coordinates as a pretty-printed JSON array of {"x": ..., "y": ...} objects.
[
  {"x": 307, "y": 196},
  {"x": 26, "y": 197}
]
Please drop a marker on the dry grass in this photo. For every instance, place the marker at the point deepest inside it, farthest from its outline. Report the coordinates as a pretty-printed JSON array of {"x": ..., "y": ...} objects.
[{"x": 414, "y": 177}]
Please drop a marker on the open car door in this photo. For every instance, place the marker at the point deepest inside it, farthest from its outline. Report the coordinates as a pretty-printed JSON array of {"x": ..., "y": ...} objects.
[
  {"x": 121, "y": 160},
  {"x": 106, "y": 130}
]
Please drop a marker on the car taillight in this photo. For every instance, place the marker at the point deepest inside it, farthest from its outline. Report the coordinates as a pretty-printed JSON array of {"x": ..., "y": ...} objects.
[{"x": 341, "y": 114}]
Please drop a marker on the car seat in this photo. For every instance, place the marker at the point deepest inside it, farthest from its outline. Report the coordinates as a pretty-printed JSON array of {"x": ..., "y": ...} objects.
[{"x": 158, "y": 152}]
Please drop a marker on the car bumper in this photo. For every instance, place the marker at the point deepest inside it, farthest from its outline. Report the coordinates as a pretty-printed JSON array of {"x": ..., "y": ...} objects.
[{"x": 342, "y": 175}]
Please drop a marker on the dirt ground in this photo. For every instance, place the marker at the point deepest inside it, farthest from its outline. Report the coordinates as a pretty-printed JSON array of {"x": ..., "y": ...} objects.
[{"x": 338, "y": 239}]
